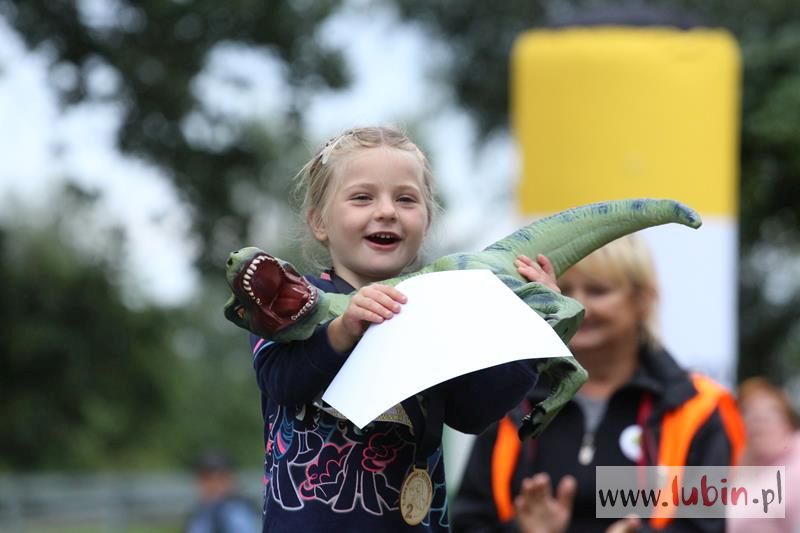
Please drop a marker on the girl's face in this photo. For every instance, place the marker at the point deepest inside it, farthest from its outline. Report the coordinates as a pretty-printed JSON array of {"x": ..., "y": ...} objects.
[
  {"x": 614, "y": 312},
  {"x": 376, "y": 216}
]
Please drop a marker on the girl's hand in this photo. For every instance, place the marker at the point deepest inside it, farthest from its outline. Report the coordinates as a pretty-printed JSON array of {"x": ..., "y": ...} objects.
[
  {"x": 370, "y": 305},
  {"x": 539, "y": 271}
]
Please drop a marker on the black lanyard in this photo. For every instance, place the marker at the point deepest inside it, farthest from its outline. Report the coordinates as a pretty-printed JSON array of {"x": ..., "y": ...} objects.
[{"x": 427, "y": 426}]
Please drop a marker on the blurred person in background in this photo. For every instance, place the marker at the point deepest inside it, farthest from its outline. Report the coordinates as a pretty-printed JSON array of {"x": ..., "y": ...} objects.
[
  {"x": 772, "y": 440},
  {"x": 221, "y": 509},
  {"x": 637, "y": 408}
]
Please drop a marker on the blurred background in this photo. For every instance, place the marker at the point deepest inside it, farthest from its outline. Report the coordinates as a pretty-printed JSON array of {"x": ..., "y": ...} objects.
[{"x": 141, "y": 142}]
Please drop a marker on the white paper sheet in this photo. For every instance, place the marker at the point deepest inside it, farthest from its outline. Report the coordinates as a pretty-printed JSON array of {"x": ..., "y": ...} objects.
[{"x": 455, "y": 322}]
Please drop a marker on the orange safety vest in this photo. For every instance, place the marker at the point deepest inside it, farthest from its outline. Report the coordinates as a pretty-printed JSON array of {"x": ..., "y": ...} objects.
[{"x": 678, "y": 428}]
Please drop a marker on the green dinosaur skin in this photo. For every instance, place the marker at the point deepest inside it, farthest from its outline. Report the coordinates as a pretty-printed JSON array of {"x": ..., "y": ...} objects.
[{"x": 565, "y": 238}]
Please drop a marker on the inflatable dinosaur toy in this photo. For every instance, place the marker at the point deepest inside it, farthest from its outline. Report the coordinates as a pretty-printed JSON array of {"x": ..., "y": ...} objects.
[{"x": 272, "y": 300}]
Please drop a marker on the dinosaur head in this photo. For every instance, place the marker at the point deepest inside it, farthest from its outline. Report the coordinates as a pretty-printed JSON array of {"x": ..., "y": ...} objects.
[{"x": 268, "y": 294}]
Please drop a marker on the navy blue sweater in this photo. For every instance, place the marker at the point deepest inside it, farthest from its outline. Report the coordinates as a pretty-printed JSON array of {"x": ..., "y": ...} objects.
[{"x": 323, "y": 474}]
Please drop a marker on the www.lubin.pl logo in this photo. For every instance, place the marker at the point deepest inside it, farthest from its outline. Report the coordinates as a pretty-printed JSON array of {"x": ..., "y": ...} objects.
[{"x": 691, "y": 492}]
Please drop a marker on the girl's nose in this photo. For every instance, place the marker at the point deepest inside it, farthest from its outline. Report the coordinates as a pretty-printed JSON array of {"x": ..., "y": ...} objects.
[{"x": 386, "y": 210}]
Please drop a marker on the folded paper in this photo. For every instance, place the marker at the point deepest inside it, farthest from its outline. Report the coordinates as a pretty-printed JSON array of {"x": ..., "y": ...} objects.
[{"x": 454, "y": 322}]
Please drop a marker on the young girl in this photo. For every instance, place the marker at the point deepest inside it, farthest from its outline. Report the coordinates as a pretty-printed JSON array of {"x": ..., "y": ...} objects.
[{"x": 369, "y": 201}]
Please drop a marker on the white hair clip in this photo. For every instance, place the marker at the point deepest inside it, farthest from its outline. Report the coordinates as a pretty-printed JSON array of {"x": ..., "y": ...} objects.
[{"x": 331, "y": 145}]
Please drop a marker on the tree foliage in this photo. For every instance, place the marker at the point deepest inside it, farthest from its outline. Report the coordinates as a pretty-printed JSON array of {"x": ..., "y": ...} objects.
[
  {"x": 156, "y": 49},
  {"x": 89, "y": 381},
  {"x": 79, "y": 368}
]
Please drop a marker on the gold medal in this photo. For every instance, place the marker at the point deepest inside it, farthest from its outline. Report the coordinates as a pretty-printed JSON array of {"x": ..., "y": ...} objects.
[{"x": 416, "y": 495}]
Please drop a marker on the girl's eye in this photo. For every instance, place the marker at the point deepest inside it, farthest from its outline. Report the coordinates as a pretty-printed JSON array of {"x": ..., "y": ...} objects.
[
  {"x": 408, "y": 199},
  {"x": 360, "y": 197}
]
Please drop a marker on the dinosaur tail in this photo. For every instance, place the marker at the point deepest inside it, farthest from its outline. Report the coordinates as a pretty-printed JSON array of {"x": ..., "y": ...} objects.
[{"x": 569, "y": 236}]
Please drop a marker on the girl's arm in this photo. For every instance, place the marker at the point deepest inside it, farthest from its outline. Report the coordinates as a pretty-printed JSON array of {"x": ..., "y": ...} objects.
[
  {"x": 295, "y": 373},
  {"x": 476, "y": 400}
]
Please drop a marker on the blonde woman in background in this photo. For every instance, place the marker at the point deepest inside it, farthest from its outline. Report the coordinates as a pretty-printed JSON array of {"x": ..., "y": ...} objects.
[{"x": 617, "y": 418}]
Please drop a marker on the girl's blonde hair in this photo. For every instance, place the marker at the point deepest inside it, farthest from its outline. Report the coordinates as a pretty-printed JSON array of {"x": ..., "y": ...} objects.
[
  {"x": 627, "y": 260},
  {"x": 315, "y": 181}
]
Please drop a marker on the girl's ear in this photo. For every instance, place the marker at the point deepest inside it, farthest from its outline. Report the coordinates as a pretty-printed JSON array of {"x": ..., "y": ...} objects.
[{"x": 317, "y": 225}]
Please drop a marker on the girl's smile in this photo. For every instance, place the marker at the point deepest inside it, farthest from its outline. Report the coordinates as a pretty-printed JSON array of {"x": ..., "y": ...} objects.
[{"x": 383, "y": 241}]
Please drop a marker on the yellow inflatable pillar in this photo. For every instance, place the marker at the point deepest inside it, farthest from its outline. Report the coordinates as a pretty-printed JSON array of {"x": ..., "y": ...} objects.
[{"x": 620, "y": 112}]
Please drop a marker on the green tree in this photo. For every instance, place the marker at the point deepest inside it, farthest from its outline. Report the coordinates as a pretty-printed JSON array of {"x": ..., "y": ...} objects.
[
  {"x": 90, "y": 380},
  {"x": 156, "y": 49},
  {"x": 79, "y": 367}
]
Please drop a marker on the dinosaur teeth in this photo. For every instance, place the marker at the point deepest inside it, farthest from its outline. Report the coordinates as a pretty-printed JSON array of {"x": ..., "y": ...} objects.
[
  {"x": 305, "y": 307},
  {"x": 248, "y": 277}
]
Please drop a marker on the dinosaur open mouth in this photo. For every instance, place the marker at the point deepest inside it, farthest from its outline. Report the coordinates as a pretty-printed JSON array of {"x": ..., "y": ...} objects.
[
  {"x": 271, "y": 295},
  {"x": 383, "y": 238}
]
